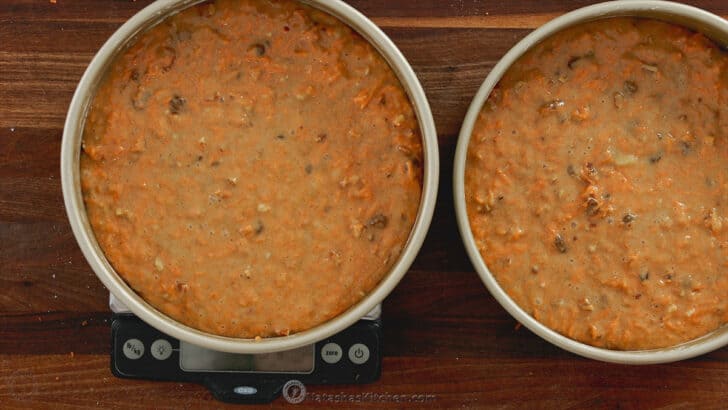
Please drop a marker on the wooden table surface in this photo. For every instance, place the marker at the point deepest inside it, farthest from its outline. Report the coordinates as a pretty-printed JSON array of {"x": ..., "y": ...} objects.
[{"x": 445, "y": 336}]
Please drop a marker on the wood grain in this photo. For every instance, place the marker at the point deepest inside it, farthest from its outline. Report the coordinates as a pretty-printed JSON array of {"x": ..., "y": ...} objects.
[
  {"x": 83, "y": 381},
  {"x": 444, "y": 334}
]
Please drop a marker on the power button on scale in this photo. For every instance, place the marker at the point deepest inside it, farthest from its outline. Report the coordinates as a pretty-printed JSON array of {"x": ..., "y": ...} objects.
[{"x": 358, "y": 353}]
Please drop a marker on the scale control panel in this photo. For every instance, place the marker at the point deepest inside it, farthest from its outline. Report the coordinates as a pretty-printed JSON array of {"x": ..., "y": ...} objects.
[{"x": 139, "y": 351}]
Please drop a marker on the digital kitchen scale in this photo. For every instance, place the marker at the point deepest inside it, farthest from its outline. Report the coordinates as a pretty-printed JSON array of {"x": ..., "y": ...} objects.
[{"x": 139, "y": 351}]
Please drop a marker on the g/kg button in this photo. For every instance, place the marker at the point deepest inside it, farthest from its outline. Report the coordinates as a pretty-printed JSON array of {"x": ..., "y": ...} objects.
[
  {"x": 358, "y": 353},
  {"x": 133, "y": 349}
]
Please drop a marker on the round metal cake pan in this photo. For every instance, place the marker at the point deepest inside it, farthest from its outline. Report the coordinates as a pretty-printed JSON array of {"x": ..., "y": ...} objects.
[
  {"x": 70, "y": 178},
  {"x": 714, "y": 27}
]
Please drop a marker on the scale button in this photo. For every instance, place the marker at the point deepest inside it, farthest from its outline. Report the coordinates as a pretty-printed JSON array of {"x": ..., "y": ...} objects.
[
  {"x": 331, "y": 353},
  {"x": 161, "y": 349},
  {"x": 359, "y": 353},
  {"x": 133, "y": 349}
]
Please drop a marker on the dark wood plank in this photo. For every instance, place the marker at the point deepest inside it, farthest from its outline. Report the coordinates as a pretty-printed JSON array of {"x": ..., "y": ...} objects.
[
  {"x": 36, "y": 86},
  {"x": 84, "y": 381},
  {"x": 43, "y": 270},
  {"x": 464, "y": 8},
  {"x": 55, "y": 332},
  {"x": 120, "y": 10},
  {"x": 24, "y": 198},
  {"x": 18, "y": 158},
  {"x": 77, "y": 11}
]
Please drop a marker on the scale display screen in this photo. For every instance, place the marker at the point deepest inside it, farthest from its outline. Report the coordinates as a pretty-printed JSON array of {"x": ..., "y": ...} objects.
[{"x": 198, "y": 359}]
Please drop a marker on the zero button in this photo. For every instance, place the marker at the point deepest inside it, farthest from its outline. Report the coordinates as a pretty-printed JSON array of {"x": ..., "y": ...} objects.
[{"x": 331, "y": 353}]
